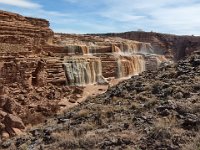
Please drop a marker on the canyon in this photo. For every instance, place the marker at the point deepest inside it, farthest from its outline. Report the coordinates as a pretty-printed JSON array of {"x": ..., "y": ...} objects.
[
  {"x": 42, "y": 72},
  {"x": 169, "y": 45}
]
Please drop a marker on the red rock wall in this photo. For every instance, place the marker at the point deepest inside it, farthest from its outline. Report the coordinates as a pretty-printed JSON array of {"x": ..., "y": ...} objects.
[
  {"x": 16, "y": 29},
  {"x": 21, "y": 37}
]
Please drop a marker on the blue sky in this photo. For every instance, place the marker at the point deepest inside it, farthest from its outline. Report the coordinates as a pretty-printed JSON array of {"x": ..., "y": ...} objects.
[{"x": 102, "y": 16}]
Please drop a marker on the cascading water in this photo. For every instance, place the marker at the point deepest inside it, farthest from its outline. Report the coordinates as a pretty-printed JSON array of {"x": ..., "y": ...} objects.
[
  {"x": 80, "y": 71},
  {"x": 132, "y": 58},
  {"x": 84, "y": 49},
  {"x": 130, "y": 65},
  {"x": 125, "y": 60},
  {"x": 160, "y": 59},
  {"x": 146, "y": 48}
]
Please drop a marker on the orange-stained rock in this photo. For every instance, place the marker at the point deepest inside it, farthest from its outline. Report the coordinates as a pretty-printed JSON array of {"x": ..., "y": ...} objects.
[
  {"x": 17, "y": 131},
  {"x": 2, "y": 114}
]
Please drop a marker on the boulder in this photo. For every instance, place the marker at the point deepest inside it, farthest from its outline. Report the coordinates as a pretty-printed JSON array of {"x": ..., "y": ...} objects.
[
  {"x": 17, "y": 131},
  {"x": 78, "y": 90},
  {"x": 3, "y": 100},
  {"x": 4, "y": 135},
  {"x": 11, "y": 106},
  {"x": 13, "y": 121},
  {"x": 2, "y": 114}
]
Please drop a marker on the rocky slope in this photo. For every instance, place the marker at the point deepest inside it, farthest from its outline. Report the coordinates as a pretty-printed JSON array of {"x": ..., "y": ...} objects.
[{"x": 154, "y": 110}]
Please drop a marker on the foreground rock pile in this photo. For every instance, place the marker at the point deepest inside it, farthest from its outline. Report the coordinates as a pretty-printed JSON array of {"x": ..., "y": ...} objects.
[
  {"x": 155, "y": 110},
  {"x": 20, "y": 107}
]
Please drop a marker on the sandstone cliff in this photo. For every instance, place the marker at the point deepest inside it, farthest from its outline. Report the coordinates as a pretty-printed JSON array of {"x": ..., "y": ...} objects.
[{"x": 21, "y": 34}]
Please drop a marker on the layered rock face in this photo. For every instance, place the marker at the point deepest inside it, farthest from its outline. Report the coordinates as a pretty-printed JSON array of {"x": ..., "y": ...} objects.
[
  {"x": 20, "y": 39},
  {"x": 17, "y": 70},
  {"x": 20, "y": 34},
  {"x": 173, "y": 46},
  {"x": 118, "y": 57},
  {"x": 22, "y": 71}
]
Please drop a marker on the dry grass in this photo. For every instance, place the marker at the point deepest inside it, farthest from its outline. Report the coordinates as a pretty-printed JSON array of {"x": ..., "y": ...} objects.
[
  {"x": 83, "y": 113},
  {"x": 193, "y": 145},
  {"x": 166, "y": 122},
  {"x": 66, "y": 140}
]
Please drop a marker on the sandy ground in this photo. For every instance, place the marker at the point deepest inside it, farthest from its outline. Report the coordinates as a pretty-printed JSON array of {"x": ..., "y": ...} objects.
[{"x": 89, "y": 90}]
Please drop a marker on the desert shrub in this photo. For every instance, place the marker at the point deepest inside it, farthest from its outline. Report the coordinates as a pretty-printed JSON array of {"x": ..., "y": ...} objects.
[
  {"x": 159, "y": 133},
  {"x": 193, "y": 145},
  {"x": 196, "y": 108},
  {"x": 150, "y": 103},
  {"x": 135, "y": 105},
  {"x": 50, "y": 109},
  {"x": 77, "y": 132},
  {"x": 69, "y": 143},
  {"x": 157, "y": 87},
  {"x": 87, "y": 126},
  {"x": 142, "y": 97},
  {"x": 82, "y": 114},
  {"x": 107, "y": 112}
]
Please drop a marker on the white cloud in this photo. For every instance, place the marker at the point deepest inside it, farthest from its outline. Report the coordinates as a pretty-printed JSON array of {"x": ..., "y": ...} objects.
[
  {"x": 170, "y": 16},
  {"x": 122, "y": 17},
  {"x": 21, "y": 3},
  {"x": 180, "y": 16}
]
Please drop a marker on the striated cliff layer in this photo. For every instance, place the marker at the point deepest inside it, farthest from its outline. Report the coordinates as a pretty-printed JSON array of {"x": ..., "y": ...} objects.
[
  {"x": 19, "y": 34},
  {"x": 173, "y": 46},
  {"x": 119, "y": 57}
]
